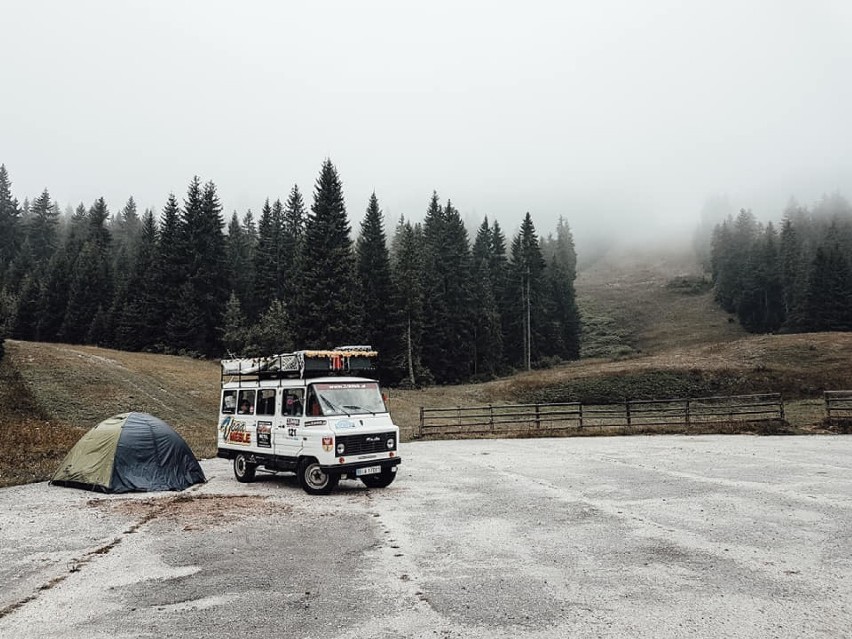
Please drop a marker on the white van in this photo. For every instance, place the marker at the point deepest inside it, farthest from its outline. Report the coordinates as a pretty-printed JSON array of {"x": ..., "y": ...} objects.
[{"x": 305, "y": 412}]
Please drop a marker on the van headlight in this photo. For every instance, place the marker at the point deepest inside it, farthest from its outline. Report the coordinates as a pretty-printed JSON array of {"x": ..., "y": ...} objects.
[
  {"x": 340, "y": 449},
  {"x": 391, "y": 442}
]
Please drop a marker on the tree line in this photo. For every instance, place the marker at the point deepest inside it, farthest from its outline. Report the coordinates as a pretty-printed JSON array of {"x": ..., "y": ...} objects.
[
  {"x": 795, "y": 280},
  {"x": 437, "y": 307}
]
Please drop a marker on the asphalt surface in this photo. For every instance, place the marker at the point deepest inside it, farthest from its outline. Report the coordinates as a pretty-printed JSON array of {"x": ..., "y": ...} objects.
[{"x": 732, "y": 536}]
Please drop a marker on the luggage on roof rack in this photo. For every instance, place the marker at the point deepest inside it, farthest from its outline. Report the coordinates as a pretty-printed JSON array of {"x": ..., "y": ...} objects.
[{"x": 305, "y": 363}]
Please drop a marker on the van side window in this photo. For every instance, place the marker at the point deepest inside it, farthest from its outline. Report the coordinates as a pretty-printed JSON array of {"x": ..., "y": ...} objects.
[
  {"x": 229, "y": 402},
  {"x": 266, "y": 401},
  {"x": 246, "y": 403},
  {"x": 292, "y": 402}
]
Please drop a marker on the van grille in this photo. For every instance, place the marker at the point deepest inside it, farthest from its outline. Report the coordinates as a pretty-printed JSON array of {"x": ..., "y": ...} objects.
[{"x": 365, "y": 444}]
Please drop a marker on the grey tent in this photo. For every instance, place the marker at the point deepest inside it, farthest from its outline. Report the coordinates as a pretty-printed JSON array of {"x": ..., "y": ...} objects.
[{"x": 127, "y": 453}]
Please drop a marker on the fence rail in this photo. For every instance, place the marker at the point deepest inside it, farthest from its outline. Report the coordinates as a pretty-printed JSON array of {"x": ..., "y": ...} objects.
[
  {"x": 838, "y": 404},
  {"x": 633, "y": 414}
]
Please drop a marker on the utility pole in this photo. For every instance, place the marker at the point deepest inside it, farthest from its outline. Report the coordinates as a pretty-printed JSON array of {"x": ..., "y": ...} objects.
[{"x": 528, "y": 336}]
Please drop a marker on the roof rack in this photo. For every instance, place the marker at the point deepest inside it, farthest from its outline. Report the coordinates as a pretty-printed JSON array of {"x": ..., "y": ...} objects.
[{"x": 301, "y": 364}]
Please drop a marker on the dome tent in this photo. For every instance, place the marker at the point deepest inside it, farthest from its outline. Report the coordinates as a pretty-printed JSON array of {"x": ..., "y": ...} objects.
[{"x": 128, "y": 453}]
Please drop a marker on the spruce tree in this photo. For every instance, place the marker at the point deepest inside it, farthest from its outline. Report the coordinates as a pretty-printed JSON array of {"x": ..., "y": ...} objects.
[
  {"x": 793, "y": 273},
  {"x": 137, "y": 325},
  {"x": 374, "y": 273},
  {"x": 293, "y": 237},
  {"x": 10, "y": 216},
  {"x": 234, "y": 329},
  {"x": 565, "y": 316},
  {"x": 447, "y": 349},
  {"x": 240, "y": 250},
  {"x": 25, "y": 321},
  {"x": 528, "y": 313},
  {"x": 487, "y": 331},
  {"x": 195, "y": 324},
  {"x": 42, "y": 229},
  {"x": 273, "y": 332},
  {"x": 329, "y": 310},
  {"x": 91, "y": 280},
  {"x": 170, "y": 269},
  {"x": 54, "y": 299},
  {"x": 266, "y": 265}
]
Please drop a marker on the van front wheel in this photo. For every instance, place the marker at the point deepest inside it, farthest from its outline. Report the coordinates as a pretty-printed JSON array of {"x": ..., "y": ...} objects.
[
  {"x": 382, "y": 480},
  {"x": 313, "y": 479},
  {"x": 243, "y": 469}
]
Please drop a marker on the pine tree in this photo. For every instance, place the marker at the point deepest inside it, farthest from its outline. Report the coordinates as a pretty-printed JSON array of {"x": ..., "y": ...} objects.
[
  {"x": 328, "y": 300},
  {"x": 376, "y": 285}
]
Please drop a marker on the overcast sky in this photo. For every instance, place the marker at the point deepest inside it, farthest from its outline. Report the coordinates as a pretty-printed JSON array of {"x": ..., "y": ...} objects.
[{"x": 612, "y": 114}]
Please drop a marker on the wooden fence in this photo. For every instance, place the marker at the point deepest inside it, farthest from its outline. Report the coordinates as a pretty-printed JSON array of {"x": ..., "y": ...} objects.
[
  {"x": 629, "y": 415},
  {"x": 838, "y": 404}
]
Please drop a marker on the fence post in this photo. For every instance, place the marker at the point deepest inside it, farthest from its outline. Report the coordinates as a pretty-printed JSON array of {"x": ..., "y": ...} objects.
[
  {"x": 687, "y": 413},
  {"x": 781, "y": 405},
  {"x": 537, "y": 418},
  {"x": 827, "y": 405},
  {"x": 581, "y": 415},
  {"x": 491, "y": 417},
  {"x": 422, "y": 418},
  {"x": 627, "y": 412}
]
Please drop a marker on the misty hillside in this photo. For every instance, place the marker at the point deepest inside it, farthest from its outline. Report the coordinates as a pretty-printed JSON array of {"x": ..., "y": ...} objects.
[{"x": 648, "y": 300}]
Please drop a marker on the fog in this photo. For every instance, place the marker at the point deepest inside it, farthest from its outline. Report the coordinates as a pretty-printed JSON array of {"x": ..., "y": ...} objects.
[{"x": 621, "y": 116}]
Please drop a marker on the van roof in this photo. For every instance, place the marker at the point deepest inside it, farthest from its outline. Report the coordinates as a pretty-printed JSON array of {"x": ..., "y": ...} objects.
[{"x": 292, "y": 383}]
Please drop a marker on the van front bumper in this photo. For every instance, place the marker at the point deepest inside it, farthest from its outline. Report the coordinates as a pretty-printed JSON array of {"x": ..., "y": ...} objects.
[{"x": 350, "y": 468}]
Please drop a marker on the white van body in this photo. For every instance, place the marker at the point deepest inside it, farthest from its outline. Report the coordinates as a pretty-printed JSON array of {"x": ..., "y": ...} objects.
[{"x": 322, "y": 428}]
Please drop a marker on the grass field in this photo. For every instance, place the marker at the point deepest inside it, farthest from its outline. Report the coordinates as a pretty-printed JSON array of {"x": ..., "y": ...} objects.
[{"x": 652, "y": 340}]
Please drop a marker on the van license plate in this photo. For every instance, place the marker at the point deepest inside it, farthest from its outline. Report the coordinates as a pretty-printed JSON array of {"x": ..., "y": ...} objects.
[{"x": 369, "y": 470}]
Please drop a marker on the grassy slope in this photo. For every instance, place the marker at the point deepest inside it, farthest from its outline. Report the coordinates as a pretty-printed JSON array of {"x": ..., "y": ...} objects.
[{"x": 659, "y": 343}]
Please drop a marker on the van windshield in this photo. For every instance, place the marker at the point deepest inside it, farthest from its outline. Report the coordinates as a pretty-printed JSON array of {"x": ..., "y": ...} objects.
[{"x": 350, "y": 398}]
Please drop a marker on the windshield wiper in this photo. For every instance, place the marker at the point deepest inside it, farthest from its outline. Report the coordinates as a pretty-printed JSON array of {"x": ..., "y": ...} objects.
[
  {"x": 361, "y": 408},
  {"x": 334, "y": 407}
]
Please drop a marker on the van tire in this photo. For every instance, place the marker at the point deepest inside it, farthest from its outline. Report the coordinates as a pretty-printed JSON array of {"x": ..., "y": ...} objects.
[
  {"x": 382, "y": 480},
  {"x": 313, "y": 480},
  {"x": 243, "y": 469}
]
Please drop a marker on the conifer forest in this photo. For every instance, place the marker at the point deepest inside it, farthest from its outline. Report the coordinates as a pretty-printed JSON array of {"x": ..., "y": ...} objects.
[
  {"x": 438, "y": 305},
  {"x": 798, "y": 279}
]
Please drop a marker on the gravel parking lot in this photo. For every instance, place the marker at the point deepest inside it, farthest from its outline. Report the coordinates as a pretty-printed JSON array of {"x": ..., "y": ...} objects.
[{"x": 731, "y": 536}]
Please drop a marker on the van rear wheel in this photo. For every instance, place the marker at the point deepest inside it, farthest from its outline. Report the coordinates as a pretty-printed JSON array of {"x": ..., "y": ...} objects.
[
  {"x": 243, "y": 469},
  {"x": 313, "y": 479}
]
